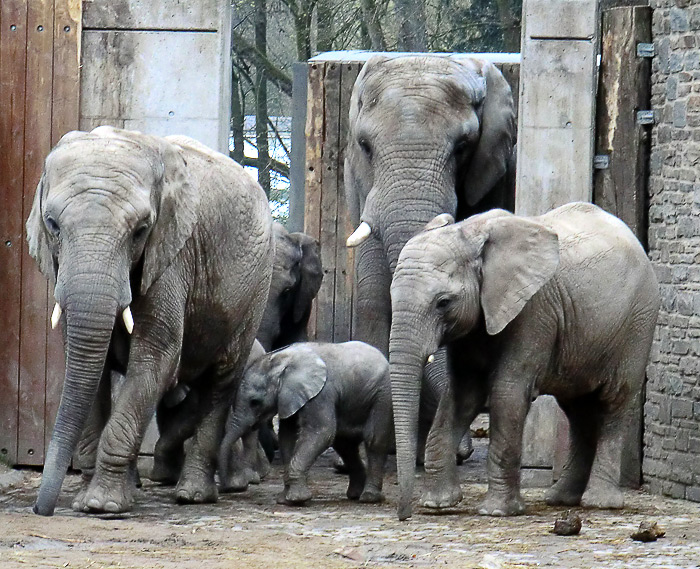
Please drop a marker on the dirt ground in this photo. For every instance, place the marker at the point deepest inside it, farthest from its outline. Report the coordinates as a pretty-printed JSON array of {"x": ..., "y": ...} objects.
[{"x": 250, "y": 530}]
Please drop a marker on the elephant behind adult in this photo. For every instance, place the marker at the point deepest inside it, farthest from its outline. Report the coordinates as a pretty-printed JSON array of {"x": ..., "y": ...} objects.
[
  {"x": 562, "y": 304},
  {"x": 427, "y": 135},
  {"x": 296, "y": 279},
  {"x": 161, "y": 254}
]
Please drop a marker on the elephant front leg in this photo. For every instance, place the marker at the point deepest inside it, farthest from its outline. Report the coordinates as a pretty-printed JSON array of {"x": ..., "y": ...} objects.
[
  {"x": 442, "y": 488},
  {"x": 315, "y": 436},
  {"x": 89, "y": 441},
  {"x": 509, "y": 404}
]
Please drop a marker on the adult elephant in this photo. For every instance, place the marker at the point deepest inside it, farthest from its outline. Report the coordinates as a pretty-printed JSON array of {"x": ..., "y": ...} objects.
[
  {"x": 427, "y": 135},
  {"x": 562, "y": 304},
  {"x": 161, "y": 254}
]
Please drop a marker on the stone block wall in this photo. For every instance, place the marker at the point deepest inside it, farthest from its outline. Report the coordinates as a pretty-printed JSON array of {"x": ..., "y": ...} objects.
[{"x": 672, "y": 412}]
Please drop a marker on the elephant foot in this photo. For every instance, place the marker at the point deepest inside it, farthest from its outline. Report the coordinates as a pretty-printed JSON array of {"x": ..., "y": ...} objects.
[
  {"x": 371, "y": 496},
  {"x": 196, "y": 492},
  {"x": 562, "y": 494},
  {"x": 441, "y": 497},
  {"x": 238, "y": 481},
  {"x": 294, "y": 495},
  {"x": 356, "y": 486},
  {"x": 112, "y": 498},
  {"x": 604, "y": 496},
  {"x": 500, "y": 505}
]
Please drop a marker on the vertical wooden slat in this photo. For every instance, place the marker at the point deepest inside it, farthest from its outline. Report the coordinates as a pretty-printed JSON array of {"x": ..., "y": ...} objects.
[
  {"x": 329, "y": 203},
  {"x": 314, "y": 171},
  {"x": 13, "y": 35},
  {"x": 65, "y": 117},
  {"x": 344, "y": 257},
  {"x": 37, "y": 143},
  {"x": 621, "y": 189},
  {"x": 625, "y": 88}
]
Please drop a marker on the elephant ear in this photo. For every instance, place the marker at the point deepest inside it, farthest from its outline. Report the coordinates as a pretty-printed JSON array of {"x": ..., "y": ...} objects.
[
  {"x": 302, "y": 376},
  {"x": 518, "y": 257},
  {"x": 494, "y": 151},
  {"x": 36, "y": 235},
  {"x": 177, "y": 205},
  {"x": 310, "y": 275}
]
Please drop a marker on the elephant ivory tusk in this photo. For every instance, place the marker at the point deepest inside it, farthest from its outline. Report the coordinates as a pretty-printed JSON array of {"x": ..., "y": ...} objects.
[
  {"x": 56, "y": 315},
  {"x": 362, "y": 232},
  {"x": 431, "y": 358},
  {"x": 128, "y": 320}
]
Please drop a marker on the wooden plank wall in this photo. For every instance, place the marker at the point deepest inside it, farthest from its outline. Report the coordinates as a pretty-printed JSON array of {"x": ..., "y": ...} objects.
[
  {"x": 330, "y": 83},
  {"x": 39, "y": 102}
]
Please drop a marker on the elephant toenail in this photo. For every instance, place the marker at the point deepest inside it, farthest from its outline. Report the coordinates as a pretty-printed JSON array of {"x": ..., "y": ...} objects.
[{"x": 112, "y": 507}]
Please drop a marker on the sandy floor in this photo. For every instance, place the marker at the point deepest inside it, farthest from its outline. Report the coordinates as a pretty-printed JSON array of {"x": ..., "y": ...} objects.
[{"x": 250, "y": 530}]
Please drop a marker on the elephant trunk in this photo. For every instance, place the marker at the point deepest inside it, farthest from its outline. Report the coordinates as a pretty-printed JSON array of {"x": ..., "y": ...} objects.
[
  {"x": 410, "y": 200},
  {"x": 407, "y": 356},
  {"x": 90, "y": 306}
]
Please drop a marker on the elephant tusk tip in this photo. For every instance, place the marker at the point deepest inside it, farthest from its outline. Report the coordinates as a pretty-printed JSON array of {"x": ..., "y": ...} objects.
[
  {"x": 362, "y": 232},
  {"x": 431, "y": 358},
  {"x": 128, "y": 320},
  {"x": 56, "y": 315}
]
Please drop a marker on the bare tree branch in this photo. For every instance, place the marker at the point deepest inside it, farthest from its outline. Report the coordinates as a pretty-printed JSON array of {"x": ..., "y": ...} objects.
[{"x": 275, "y": 75}]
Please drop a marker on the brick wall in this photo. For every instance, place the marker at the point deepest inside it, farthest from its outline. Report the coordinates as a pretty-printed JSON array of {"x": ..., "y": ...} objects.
[{"x": 672, "y": 413}]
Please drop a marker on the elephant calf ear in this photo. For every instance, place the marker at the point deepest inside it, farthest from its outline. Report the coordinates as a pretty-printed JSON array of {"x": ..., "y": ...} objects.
[
  {"x": 302, "y": 379},
  {"x": 519, "y": 257}
]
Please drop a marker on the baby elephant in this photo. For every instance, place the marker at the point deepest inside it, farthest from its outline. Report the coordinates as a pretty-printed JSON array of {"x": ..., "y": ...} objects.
[{"x": 326, "y": 395}]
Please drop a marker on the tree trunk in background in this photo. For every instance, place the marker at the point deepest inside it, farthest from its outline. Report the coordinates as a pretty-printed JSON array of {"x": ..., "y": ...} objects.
[
  {"x": 324, "y": 27},
  {"x": 510, "y": 25},
  {"x": 261, "y": 98},
  {"x": 372, "y": 24},
  {"x": 410, "y": 17},
  {"x": 237, "y": 119}
]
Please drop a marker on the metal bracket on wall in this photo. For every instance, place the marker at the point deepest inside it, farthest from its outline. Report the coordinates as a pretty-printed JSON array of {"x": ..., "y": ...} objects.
[
  {"x": 601, "y": 161},
  {"x": 645, "y": 117},
  {"x": 645, "y": 50}
]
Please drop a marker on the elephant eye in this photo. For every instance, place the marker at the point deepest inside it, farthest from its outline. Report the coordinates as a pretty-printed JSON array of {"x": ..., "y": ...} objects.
[
  {"x": 255, "y": 403},
  {"x": 365, "y": 146},
  {"x": 443, "y": 303},
  {"x": 140, "y": 232},
  {"x": 52, "y": 225}
]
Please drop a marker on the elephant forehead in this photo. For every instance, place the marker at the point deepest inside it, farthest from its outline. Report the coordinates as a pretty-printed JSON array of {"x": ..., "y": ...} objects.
[{"x": 92, "y": 157}]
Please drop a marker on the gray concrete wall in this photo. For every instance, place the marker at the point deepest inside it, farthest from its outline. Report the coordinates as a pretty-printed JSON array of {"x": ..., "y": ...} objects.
[
  {"x": 672, "y": 413},
  {"x": 159, "y": 66}
]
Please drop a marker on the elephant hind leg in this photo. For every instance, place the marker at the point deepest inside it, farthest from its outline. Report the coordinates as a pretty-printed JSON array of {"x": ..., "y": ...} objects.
[
  {"x": 584, "y": 418},
  {"x": 349, "y": 451}
]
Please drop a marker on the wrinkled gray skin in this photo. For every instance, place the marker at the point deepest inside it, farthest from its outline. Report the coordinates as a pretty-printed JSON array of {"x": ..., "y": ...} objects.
[
  {"x": 427, "y": 135},
  {"x": 296, "y": 279},
  {"x": 183, "y": 236},
  {"x": 326, "y": 395},
  {"x": 562, "y": 304}
]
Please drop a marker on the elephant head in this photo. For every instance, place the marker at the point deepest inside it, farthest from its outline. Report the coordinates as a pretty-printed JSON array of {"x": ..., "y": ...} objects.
[
  {"x": 279, "y": 382},
  {"x": 113, "y": 208},
  {"x": 296, "y": 279},
  {"x": 449, "y": 280},
  {"x": 427, "y": 135}
]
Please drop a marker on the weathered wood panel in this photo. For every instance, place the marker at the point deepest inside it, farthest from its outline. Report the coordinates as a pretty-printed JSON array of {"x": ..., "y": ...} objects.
[
  {"x": 13, "y": 42},
  {"x": 39, "y": 70},
  {"x": 621, "y": 189},
  {"x": 37, "y": 144},
  {"x": 314, "y": 164},
  {"x": 625, "y": 88}
]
